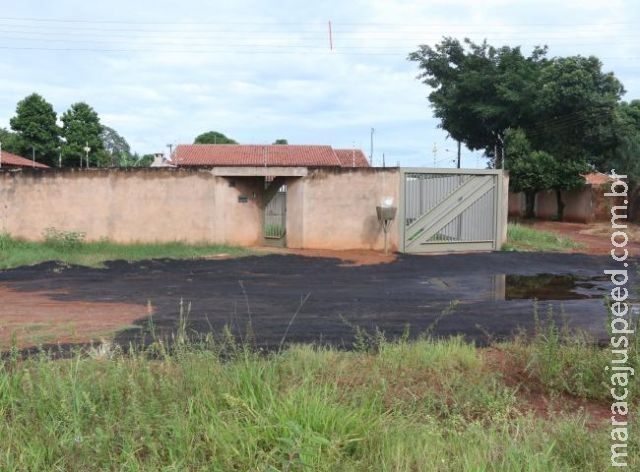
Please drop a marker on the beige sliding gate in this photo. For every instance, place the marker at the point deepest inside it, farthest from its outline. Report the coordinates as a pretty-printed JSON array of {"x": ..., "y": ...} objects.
[{"x": 445, "y": 210}]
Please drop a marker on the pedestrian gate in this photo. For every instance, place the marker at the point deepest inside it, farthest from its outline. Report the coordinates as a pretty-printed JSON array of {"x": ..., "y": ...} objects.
[
  {"x": 444, "y": 210},
  {"x": 275, "y": 218}
]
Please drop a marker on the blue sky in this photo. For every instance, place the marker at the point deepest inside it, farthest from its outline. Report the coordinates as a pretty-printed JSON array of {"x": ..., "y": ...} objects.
[{"x": 162, "y": 72}]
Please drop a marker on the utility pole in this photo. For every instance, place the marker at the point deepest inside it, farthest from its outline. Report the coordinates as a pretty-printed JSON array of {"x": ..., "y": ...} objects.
[
  {"x": 33, "y": 156},
  {"x": 86, "y": 153},
  {"x": 435, "y": 155},
  {"x": 458, "y": 154}
]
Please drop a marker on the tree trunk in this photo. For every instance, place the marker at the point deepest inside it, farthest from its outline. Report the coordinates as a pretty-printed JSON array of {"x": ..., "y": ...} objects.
[
  {"x": 530, "y": 205},
  {"x": 559, "y": 206}
]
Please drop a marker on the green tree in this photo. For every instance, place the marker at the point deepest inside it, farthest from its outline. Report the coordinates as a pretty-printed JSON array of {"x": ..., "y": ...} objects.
[
  {"x": 36, "y": 128},
  {"x": 529, "y": 171},
  {"x": 10, "y": 141},
  {"x": 145, "y": 161},
  {"x": 281, "y": 141},
  {"x": 564, "y": 105},
  {"x": 624, "y": 155},
  {"x": 81, "y": 127},
  {"x": 480, "y": 91},
  {"x": 213, "y": 137},
  {"x": 575, "y": 118},
  {"x": 116, "y": 147}
]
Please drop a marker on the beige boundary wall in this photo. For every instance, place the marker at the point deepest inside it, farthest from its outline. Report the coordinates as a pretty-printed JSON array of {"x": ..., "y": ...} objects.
[
  {"x": 327, "y": 209},
  {"x": 585, "y": 205},
  {"x": 146, "y": 205},
  {"x": 336, "y": 209}
]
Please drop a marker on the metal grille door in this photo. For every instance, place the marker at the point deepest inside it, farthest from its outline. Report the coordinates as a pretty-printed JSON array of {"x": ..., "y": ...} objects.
[
  {"x": 449, "y": 210},
  {"x": 275, "y": 217}
]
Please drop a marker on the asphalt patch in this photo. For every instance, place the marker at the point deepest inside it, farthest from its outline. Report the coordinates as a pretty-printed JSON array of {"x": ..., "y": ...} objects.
[{"x": 320, "y": 300}]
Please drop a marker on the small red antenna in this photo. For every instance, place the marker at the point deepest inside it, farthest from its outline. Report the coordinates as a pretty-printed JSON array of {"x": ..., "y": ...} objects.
[{"x": 330, "y": 37}]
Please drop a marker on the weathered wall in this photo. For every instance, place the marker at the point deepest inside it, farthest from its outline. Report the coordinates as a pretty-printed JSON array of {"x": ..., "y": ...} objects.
[
  {"x": 585, "y": 205},
  {"x": 336, "y": 209},
  {"x": 126, "y": 206}
]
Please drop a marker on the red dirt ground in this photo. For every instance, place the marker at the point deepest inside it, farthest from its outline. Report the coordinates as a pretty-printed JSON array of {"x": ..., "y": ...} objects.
[
  {"x": 31, "y": 319},
  {"x": 533, "y": 398},
  {"x": 595, "y": 238}
]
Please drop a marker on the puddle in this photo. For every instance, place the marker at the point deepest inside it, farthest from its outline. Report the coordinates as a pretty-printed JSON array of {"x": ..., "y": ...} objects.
[
  {"x": 503, "y": 287},
  {"x": 554, "y": 287}
]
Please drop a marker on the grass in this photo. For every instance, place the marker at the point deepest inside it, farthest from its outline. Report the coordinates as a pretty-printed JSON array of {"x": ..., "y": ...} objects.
[
  {"x": 70, "y": 248},
  {"x": 402, "y": 406},
  {"x": 525, "y": 238}
]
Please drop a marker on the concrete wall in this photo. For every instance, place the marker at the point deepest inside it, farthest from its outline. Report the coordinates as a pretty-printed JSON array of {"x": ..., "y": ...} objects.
[
  {"x": 326, "y": 208},
  {"x": 131, "y": 205},
  {"x": 585, "y": 205},
  {"x": 336, "y": 209}
]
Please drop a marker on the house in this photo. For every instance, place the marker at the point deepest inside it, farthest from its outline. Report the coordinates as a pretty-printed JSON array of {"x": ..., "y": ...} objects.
[
  {"x": 11, "y": 161},
  {"x": 584, "y": 205},
  {"x": 159, "y": 160},
  {"x": 258, "y": 155}
]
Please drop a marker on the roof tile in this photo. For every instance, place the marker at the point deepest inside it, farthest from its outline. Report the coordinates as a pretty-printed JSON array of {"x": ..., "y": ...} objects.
[
  {"x": 256, "y": 155},
  {"x": 9, "y": 159}
]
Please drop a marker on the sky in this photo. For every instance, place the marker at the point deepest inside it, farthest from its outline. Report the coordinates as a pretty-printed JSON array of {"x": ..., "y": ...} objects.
[{"x": 162, "y": 72}]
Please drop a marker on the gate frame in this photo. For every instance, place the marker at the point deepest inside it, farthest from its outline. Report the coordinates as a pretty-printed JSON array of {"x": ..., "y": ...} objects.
[{"x": 499, "y": 202}]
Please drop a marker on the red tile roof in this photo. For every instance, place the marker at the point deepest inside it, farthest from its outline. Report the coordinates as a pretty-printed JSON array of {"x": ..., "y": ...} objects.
[
  {"x": 8, "y": 159},
  {"x": 257, "y": 155},
  {"x": 352, "y": 158},
  {"x": 597, "y": 178}
]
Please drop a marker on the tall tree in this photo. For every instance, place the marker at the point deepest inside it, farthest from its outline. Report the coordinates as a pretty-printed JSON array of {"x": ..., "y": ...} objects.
[
  {"x": 213, "y": 137},
  {"x": 479, "y": 91},
  {"x": 35, "y": 125},
  {"x": 281, "y": 141},
  {"x": 624, "y": 155},
  {"x": 80, "y": 128},
  {"x": 10, "y": 141},
  {"x": 116, "y": 147},
  {"x": 563, "y": 105}
]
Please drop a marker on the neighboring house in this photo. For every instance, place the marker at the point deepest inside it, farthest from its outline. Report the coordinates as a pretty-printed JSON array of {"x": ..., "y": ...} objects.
[
  {"x": 351, "y": 158},
  {"x": 160, "y": 161},
  {"x": 584, "y": 205},
  {"x": 273, "y": 155},
  {"x": 11, "y": 161}
]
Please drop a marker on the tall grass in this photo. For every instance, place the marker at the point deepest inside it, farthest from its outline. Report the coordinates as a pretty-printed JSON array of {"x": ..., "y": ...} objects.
[
  {"x": 70, "y": 248},
  {"x": 524, "y": 238},
  {"x": 424, "y": 405}
]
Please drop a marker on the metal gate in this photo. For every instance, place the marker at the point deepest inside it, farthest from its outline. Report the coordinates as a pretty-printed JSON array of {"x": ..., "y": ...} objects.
[
  {"x": 448, "y": 210},
  {"x": 275, "y": 218}
]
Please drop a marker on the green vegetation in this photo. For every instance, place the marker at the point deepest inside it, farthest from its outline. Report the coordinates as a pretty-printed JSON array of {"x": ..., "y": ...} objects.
[
  {"x": 525, "y": 238},
  {"x": 423, "y": 405},
  {"x": 69, "y": 247},
  {"x": 547, "y": 120}
]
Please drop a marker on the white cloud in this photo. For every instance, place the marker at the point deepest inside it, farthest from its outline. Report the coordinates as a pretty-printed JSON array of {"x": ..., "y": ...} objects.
[{"x": 162, "y": 71}]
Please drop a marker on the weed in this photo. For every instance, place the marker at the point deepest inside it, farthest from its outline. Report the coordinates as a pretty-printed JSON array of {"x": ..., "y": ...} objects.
[
  {"x": 525, "y": 238},
  {"x": 63, "y": 240}
]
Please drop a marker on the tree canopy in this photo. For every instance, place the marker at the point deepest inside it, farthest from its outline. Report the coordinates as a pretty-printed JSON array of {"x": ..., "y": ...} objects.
[
  {"x": 36, "y": 129},
  {"x": 564, "y": 109},
  {"x": 10, "y": 141},
  {"x": 80, "y": 128},
  {"x": 213, "y": 137},
  {"x": 116, "y": 147}
]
